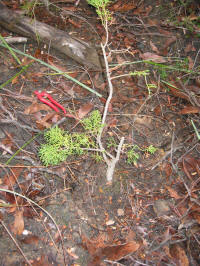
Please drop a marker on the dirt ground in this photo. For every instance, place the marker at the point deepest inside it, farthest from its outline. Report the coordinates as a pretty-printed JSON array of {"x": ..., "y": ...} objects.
[{"x": 150, "y": 214}]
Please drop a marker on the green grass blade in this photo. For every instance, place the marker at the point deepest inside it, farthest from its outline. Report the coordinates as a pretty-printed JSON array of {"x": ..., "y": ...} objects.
[
  {"x": 22, "y": 147},
  {"x": 10, "y": 49},
  {"x": 16, "y": 75},
  {"x": 158, "y": 65},
  {"x": 195, "y": 129},
  {"x": 55, "y": 69}
]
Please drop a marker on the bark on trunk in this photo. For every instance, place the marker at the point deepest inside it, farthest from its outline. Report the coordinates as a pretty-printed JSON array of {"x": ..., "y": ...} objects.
[{"x": 76, "y": 49}]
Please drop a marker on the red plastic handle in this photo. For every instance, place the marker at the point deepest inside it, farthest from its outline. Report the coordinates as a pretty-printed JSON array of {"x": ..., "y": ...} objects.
[{"x": 52, "y": 102}]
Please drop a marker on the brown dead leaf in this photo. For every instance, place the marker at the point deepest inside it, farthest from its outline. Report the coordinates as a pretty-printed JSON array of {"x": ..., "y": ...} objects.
[
  {"x": 36, "y": 107},
  {"x": 99, "y": 250},
  {"x": 77, "y": 25},
  {"x": 84, "y": 110},
  {"x": 190, "y": 48},
  {"x": 190, "y": 165},
  {"x": 103, "y": 100},
  {"x": 120, "y": 60},
  {"x": 146, "y": 10},
  {"x": 68, "y": 89},
  {"x": 123, "y": 7},
  {"x": 43, "y": 123},
  {"x": 8, "y": 141},
  {"x": 174, "y": 89},
  {"x": 167, "y": 44},
  {"x": 30, "y": 239},
  {"x": 112, "y": 122},
  {"x": 12, "y": 179},
  {"x": 15, "y": 80},
  {"x": 194, "y": 89},
  {"x": 131, "y": 235},
  {"x": 153, "y": 47},
  {"x": 190, "y": 63},
  {"x": 18, "y": 225},
  {"x": 178, "y": 253},
  {"x": 153, "y": 22},
  {"x": 129, "y": 42},
  {"x": 70, "y": 8},
  {"x": 190, "y": 110},
  {"x": 153, "y": 57},
  {"x": 118, "y": 252},
  {"x": 173, "y": 193},
  {"x": 93, "y": 244},
  {"x": 164, "y": 32},
  {"x": 196, "y": 216},
  {"x": 114, "y": 253},
  {"x": 193, "y": 17},
  {"x": 144, "y": 121},
  {"x": 43, "y": 261},
  {"x": 167, "y": 168}
]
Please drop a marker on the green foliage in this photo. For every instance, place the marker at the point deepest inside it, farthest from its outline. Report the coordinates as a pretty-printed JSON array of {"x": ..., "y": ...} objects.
[
  {"x": 61, "y": 144},
  {"x": 93, "y": 124},
  {"x": 55, "y": 136},
  {"x": 140, "y": 73},
  {"x": 101, "y": 9},
  {"x": 185, "y": 17},
  {"x": 28, "y": 6},
  {"x": 190, "y": 24},
  {"x": 111, "y": 143},
  {"x": 52, "y": 154},
  {"x": 97, "y": 157},
  {"x": 151, "y": 149},
  {"x": 133, "y": 155},
  {"x": 98, "y": 3}
]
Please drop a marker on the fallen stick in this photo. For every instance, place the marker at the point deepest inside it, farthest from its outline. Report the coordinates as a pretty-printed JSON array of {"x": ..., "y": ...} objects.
[
  {"x": 15, "y": 40},
  {"x": 76, "y": 49}
]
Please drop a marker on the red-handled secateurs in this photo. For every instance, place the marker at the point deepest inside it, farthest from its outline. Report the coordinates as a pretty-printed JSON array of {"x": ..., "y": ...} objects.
[{"x": 52, "y": 103}]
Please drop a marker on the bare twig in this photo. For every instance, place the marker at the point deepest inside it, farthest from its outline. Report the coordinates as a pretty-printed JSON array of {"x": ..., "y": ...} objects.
[
  {"x": 16, "y": 244},
  {"x": 46, "y": 212},
  {"x": 12, "y": 119},
  {"x": 111, "y": 163},
  {"x": 167, "y": 153}
]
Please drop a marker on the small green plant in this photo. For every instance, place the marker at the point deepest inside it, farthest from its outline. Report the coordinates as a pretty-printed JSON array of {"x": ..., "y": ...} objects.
[
  {"x": 133, "y": 155},
  {"x": 151, "y": 149},
  {"x": 101, "y": 9},
  {"x": 61, "y": 144}
]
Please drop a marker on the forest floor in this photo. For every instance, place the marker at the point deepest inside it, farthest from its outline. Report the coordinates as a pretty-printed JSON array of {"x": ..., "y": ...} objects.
[{"x": 150, "y": 213}]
